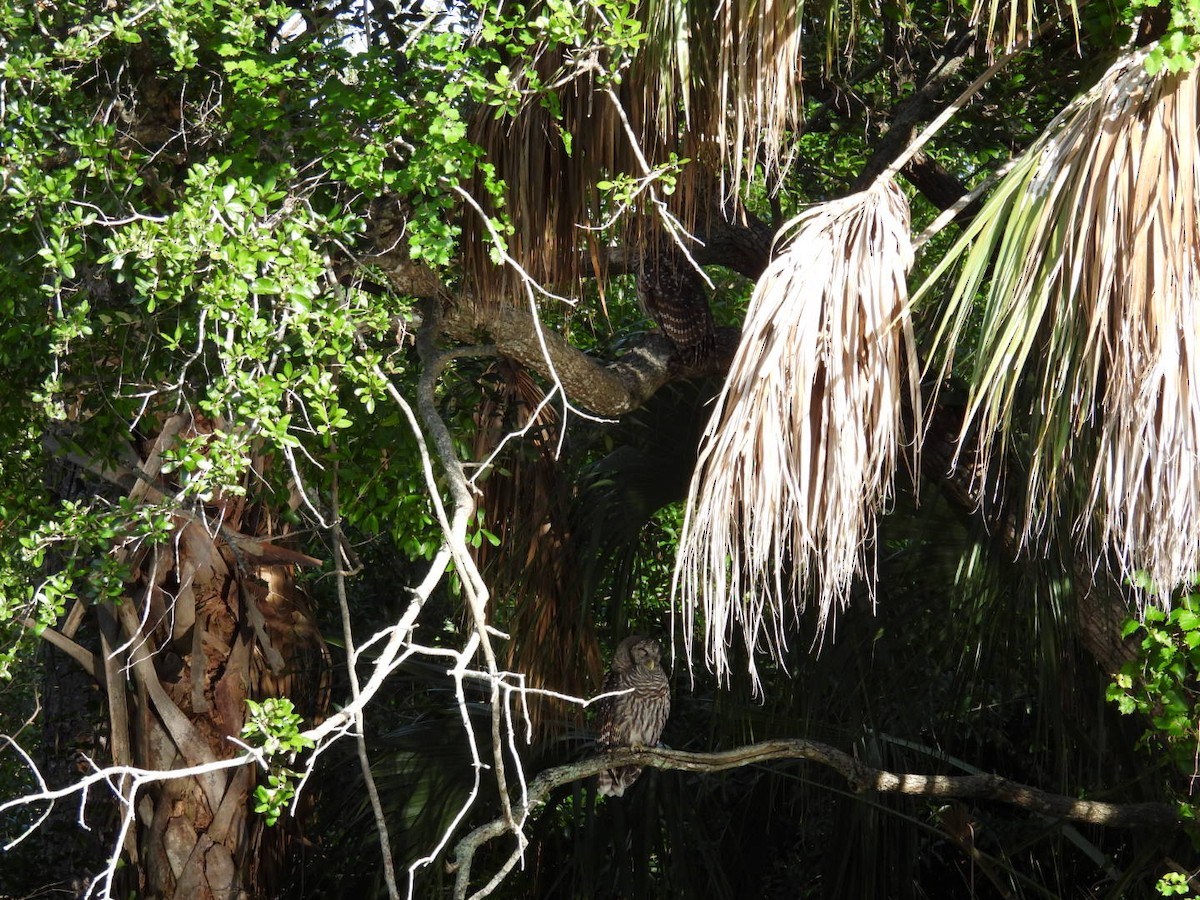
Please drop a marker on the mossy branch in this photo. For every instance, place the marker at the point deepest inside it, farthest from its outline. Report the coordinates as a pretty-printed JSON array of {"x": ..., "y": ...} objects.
[{"x": 861, "y": 778}]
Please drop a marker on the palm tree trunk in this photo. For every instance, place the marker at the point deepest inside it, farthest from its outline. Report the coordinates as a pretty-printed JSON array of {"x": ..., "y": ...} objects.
[{"x": 211, "y": 618}]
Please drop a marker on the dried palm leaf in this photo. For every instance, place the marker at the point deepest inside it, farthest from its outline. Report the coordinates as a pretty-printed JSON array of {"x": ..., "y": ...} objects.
[
  {"x": 1087, "y": 258},
  {"x": 1006, "y": 24},
  {"x": 749, "y": 97},
  {"x": 715, "y": 83},
  {"x": 800, "y": 452}
]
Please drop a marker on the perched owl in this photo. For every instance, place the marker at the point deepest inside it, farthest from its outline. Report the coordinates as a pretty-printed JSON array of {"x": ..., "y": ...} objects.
[
  {"x": 672, "y": 292},
  {"x": 635, "y": 719}
]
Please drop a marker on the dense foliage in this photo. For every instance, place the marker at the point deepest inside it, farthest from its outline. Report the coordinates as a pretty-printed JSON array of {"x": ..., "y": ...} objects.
[{"x": 247, "y": 245}]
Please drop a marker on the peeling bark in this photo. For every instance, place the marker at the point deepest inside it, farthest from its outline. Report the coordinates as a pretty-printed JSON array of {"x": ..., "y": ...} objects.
[{"x": 203, "y": 618}]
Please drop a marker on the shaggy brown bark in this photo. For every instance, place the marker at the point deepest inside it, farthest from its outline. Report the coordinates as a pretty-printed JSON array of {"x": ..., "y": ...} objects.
[{"x": 207, "y": 622}]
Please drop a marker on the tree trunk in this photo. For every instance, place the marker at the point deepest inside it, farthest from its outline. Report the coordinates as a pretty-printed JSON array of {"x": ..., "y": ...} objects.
[{"x": 211, "y": 618}]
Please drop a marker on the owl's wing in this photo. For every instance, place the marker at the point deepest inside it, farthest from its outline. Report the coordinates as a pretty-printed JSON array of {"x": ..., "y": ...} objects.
[
  {"x": 673, "y": 293},
  {"x": 609, "y": 732}
]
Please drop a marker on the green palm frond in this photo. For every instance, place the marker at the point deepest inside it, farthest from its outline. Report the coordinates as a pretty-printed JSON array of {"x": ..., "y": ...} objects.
[
  {"x": 1087, "y": 259},
  {"x": 799, "y": 455}
]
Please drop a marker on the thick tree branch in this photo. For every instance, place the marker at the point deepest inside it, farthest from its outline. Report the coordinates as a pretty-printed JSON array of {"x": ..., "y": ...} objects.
[
  {"x": 939, "y": 187},
  {"x": 605, "y": 388},
  {"x": 920, "y": 105},
  {"x": 860, "y": 777}
]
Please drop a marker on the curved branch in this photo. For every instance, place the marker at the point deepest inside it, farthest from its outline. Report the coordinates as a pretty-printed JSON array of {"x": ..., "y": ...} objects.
[
  {"x": 860, "y": 777},
  {"x": 91, "y": 663},
  {"x": 605, "y": 388}
]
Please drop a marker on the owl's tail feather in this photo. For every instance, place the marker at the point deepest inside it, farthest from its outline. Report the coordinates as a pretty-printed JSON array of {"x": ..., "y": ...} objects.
[{"x": 613, "y": 782}]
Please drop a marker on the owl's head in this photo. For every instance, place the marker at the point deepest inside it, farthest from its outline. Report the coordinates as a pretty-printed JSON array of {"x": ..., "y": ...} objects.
[{"x": 637, "y": 651}]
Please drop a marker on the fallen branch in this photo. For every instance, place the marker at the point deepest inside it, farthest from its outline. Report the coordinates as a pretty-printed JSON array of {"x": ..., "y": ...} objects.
[{"x": 861, "y": 778}]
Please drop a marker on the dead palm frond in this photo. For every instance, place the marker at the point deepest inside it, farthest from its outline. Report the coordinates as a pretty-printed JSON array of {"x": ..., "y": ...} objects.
[
  {"x": 801, "y": 449},
  {"x": 745, "y": 91},
  {"x": 534, "y": 567},
  {"x": 716, "y": 85},
  {"x": 1087, "y": 257},
  {"x": 1006, "y": 24}
]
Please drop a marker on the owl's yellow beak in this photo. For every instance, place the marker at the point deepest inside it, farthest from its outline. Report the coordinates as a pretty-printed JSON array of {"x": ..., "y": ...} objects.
[{"x": 650, "y": 664}]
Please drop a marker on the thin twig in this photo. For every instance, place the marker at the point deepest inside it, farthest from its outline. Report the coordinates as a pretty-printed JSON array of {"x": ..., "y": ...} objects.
[
  {"x": 671, "y": 224},
  {"x": 337, "y": 539},
  {"x": 464, "y": 506}
]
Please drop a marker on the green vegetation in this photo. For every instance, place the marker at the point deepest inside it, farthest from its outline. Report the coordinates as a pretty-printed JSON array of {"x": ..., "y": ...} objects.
[
  {"x": 1160, "y": 685},
  {"x": 331, "y": 411}
]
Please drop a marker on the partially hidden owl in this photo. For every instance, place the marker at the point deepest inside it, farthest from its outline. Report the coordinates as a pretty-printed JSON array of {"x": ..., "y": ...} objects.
[
  {"x": 672, "y": 292},
  {"x": 633, "y": 719}
]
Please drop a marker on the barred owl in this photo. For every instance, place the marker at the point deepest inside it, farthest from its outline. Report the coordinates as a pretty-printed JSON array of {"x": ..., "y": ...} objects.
[
  {"x": 672, "y": 292},
  {"x": 635, "y": 719}
]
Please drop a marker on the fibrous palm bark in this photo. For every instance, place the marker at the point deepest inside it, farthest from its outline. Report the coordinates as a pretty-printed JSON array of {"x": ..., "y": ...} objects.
[{"x": 210, "y": 618}]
